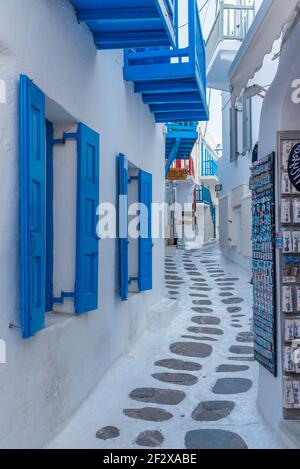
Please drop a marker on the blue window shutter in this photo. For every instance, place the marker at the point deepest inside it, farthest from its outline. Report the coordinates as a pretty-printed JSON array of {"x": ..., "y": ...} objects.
[
  {"x": 123, "y": 226},
  {"x": 87, "y": 243},
  {"x": 33, "y": 206},
  {"x": 145, "y": 240},
  {"x": 49, "y": 216}
]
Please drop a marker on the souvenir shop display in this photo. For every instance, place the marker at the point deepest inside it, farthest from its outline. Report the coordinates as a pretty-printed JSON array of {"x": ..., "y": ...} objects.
[
  {"x": 289, "y": 256},
  {"x": 263, "y": 241}
]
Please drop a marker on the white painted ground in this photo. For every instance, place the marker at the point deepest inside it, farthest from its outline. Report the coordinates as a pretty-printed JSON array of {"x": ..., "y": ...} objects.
[{"x": 105, "y": 405}]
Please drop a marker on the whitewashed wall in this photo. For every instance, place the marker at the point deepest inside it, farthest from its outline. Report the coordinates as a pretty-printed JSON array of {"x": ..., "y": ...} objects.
[
  {"x": 48, "y": 376},
  {"x": 235, "y": 174},
  {"x": 279, "y": 113}
]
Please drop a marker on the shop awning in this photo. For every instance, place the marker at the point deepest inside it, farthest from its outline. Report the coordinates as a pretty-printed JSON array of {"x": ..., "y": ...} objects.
[{"x": 266, "y": 28}]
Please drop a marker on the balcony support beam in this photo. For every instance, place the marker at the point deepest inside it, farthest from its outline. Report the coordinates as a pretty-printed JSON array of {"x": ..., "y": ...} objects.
[{"x": 172, "y": 156}]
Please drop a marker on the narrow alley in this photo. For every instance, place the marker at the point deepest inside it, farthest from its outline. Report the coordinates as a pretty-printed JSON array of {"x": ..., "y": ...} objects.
[{"x": 192, "y": 385}]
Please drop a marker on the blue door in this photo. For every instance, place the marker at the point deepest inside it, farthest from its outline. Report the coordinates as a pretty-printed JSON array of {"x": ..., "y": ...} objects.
[
  {"x": 123, "y": 225},
  {"x": 33, "y": 206},
  {"x": 145, "y": 240},
  {"x": 87, "y": 241}
]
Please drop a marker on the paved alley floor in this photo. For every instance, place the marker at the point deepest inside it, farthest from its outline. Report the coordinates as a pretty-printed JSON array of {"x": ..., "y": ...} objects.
[{"x": 194, "y": 385}]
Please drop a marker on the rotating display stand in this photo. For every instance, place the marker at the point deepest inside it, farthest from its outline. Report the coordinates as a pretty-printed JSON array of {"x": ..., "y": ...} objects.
[
  {"x": 262, "y": 184},
  {"x": 288, "y": 221}
]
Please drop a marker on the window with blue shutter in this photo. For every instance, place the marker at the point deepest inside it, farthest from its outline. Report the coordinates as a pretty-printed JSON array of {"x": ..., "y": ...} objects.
[
  {"x": 145, "y": 240},
  {"x": 123, "y": 225},
  {"x": 33, "y": 206},
  {"x": 87, "y": 244},
  {"x": 247, "y": 124},
  {"x": 233, "y": 134}
]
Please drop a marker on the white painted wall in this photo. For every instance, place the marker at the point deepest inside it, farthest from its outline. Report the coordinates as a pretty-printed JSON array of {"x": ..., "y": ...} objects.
[
  {"x": 235, "y": 174},
  {"x": 48, "y": 376},
  {"x": 279, "y": 113}
]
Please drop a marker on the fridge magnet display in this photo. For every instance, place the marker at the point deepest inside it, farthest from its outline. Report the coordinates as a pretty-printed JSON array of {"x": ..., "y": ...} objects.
[
  {"x": 263, "y": 263},
  {"x": 288, "y": 278}
]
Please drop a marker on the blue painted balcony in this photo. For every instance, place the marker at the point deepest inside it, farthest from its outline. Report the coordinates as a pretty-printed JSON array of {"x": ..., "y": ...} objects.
[
  {"x": 209, "y": 163},
  {"x": 172, "y": 81},
  {"x": 210, "y": 168},
  {"x": 117, "y": 24},
  {"x": 184, "y": 132},
  {"x": 180, "y": 140}
]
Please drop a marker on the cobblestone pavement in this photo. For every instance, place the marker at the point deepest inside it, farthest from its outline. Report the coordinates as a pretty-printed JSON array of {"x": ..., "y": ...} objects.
[{"x": 193, "y": 385}]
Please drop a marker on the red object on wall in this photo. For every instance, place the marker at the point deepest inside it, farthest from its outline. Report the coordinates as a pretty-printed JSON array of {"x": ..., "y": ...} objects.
[{"x": 191, "y": 167}]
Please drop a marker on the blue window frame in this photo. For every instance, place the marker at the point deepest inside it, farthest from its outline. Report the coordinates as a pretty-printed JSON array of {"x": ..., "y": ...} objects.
[
  {"x": 36, "y": 217},
  {"x": 123, "y": 225},
  {"x": 87, "y": 244},
  {"x": 33, "y": 206},
  {"x": 145, "y": 244},
  {"x": 145, "y": 241}
]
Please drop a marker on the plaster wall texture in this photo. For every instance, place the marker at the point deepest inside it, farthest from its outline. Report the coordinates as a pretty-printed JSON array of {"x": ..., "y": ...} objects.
[
  {"x": 279, "y": 113},
  {"x": 48, "y": 376},
  {"x": 237, "y": 173}
]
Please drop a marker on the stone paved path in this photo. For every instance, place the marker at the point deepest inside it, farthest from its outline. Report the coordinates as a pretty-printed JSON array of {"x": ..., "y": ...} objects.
[{"x": 192, "y": 386}]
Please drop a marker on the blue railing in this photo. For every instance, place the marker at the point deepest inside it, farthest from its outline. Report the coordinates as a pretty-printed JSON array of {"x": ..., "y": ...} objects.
[
  {"x": 200, "y": 49},
  {"x": 204, "y": 195},
  {"x": 182, "y": 127},
  {"x": 210, "y": 168},
  {"x": 172, "y": 81}
]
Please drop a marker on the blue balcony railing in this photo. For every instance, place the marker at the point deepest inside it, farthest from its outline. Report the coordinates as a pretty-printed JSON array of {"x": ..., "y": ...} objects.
[
  {"x": 172, "y": 81},
  {"x": 117, "y": 24},
  {"x": 210, "y": 168}
]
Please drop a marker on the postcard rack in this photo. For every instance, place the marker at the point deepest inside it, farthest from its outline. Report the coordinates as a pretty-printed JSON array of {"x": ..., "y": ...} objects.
[
  {"x": 289, "y": 235},
  {"x": 263, "y": 264}
]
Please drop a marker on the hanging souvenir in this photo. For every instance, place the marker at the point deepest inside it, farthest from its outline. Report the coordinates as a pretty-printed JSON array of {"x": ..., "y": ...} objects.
[
  {"x": 289, "y": 330},
  {"x": 296, "y": 210},
  {"x": 285, "y": 211},
  {"x": 296, "y": 242},
  {"x": 288, "y": 393},
  {"x": 289, "y": 365},
  {"x": 287, "y": 300},
  {"x": 285, "y": 184},
  {"x": 287, "y": 242},
  {"x": 296, "y": 328},
  {"x": 296, "y": 394}
]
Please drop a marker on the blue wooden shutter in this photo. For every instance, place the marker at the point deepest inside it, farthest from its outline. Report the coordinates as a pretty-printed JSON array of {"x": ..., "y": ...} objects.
[
  {"x": 123, "y": 226},
  {"x": 145, "y": 240},
  {"x": 49, "y": 216},
  {"x": 87, "y": 243},
  {"x": 33, "y": 206}
]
